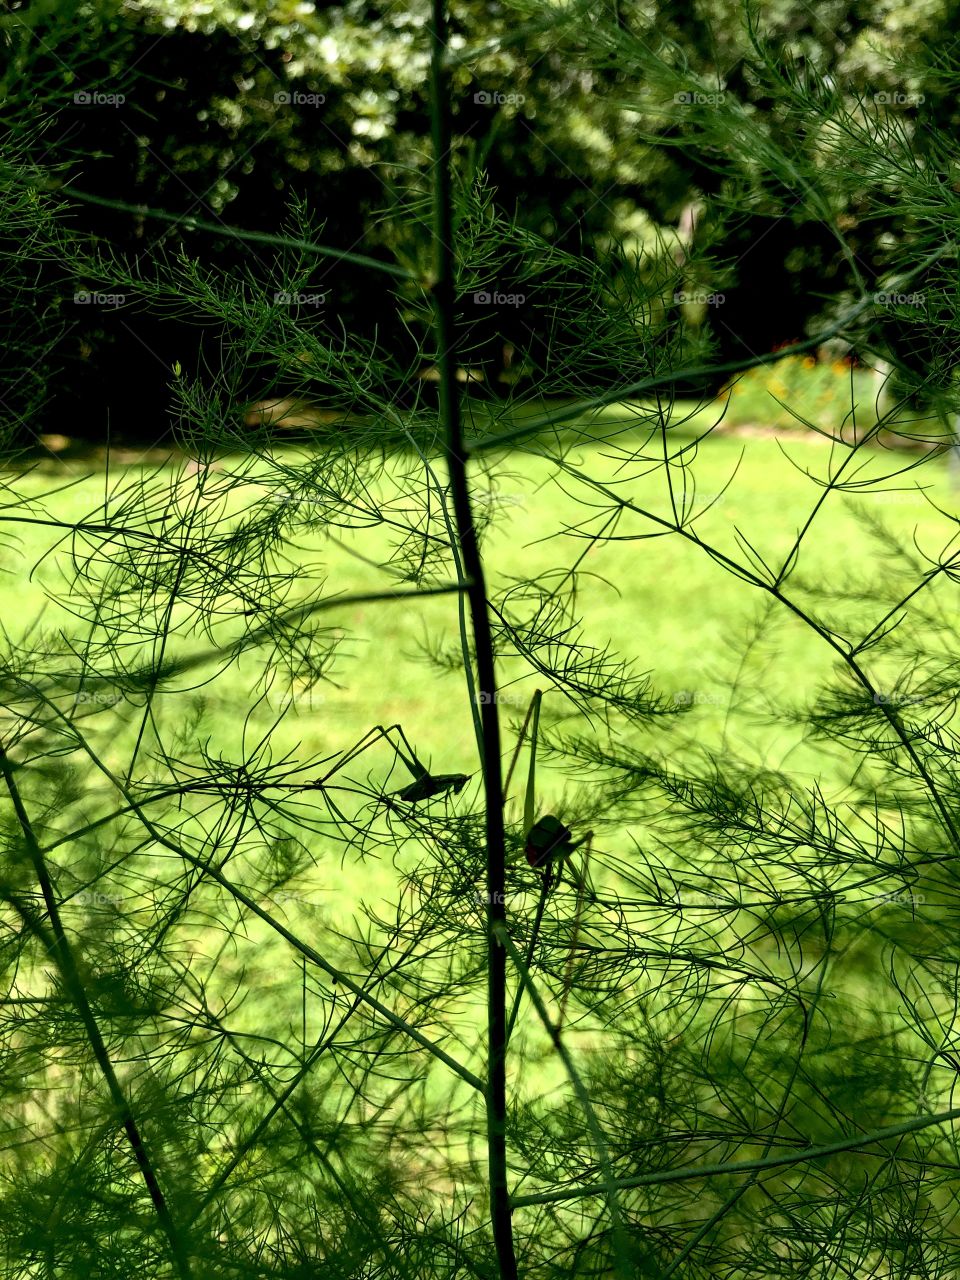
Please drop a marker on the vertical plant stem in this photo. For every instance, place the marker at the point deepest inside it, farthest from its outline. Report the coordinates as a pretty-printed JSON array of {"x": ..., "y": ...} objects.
[
  {"x": 443, "y": 297},
  {"x": 621, "y": 1246},
  {"x": 69, "y": 971}
]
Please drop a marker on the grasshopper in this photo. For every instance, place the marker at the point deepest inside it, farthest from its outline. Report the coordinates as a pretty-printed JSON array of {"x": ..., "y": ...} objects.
[
  {"x": 425, "y": 784},
  {"x": 549, "y": 846}
]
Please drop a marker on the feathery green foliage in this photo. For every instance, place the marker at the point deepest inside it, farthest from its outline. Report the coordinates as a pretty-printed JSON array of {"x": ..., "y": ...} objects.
[{"x": 734, "y": 1053}]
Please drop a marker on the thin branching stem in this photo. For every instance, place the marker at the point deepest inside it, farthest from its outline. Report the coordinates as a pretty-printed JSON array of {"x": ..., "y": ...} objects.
[
  {"x": 860, "y": 1142},
  {"x": 444, "y": 290},
  {"x": 66, "y": 961}
]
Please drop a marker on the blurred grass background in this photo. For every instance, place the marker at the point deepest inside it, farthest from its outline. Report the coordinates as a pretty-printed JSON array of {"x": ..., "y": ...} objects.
[{"x": 662, "y": 603}]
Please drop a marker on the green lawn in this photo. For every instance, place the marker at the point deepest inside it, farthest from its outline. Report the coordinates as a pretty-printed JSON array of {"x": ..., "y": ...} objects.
[
  {"x": 663, "y": 603},
  {"x": 660, "y": 602}
]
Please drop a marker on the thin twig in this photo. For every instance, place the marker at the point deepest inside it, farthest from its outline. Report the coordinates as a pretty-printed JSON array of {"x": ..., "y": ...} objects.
[
  {"x": 62, "y": 952},
  {"x": 853, "y": 1142},
  {"x": 190, "y": 223},
  {"x": 600, "y": 1142}
]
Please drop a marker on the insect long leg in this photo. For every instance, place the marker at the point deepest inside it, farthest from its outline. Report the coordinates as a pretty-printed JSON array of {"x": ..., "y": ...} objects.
[
  {"x": 581, "y": 883},
  {"x": 368, "y": 740},
  {"x": 531, "y": 946}
]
